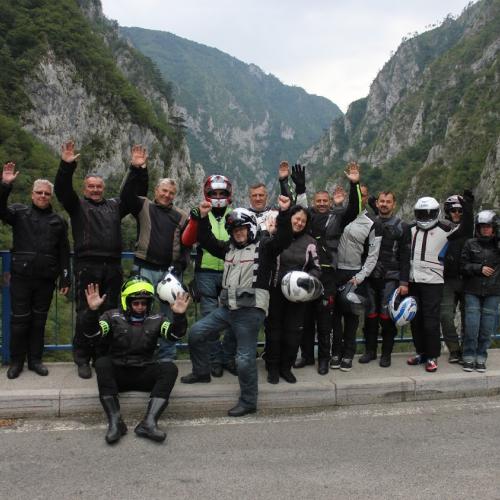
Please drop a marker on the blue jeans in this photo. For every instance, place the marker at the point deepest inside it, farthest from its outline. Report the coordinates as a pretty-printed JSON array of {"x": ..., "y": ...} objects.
[
  {"x": 480, "y": 322},
  {"x": 167, "y": 350},
  {"x": 245, "y": 323},
  {"x": 209, "y": 285}
]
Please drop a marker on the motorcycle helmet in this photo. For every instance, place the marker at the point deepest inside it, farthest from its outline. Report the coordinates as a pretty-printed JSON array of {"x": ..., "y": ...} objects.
[
  {"x": 349, "y": 301},
  {"x": 402, "y": 311},
  {"x": 241, "y": 217},
  {"x": 136, "y": 287},
  {"x": 454, "y": 201},
  {"x": 299, "y": 286},
  {"x": 485, "y": 217},
  {"x": 426, "y": 212},
  {"x": 214, "y": 182},
  {"x": 169, "y": 287}
]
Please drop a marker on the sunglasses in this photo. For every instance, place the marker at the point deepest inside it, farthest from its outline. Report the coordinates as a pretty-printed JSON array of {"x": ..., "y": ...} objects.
[
  {"x": 139, "y": 302},
  {"x": 456, "y": 210},
  {"x": 44, "y": 193}
]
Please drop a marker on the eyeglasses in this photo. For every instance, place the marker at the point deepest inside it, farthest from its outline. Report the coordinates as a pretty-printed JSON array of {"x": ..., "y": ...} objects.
[
  {"x": 44, "y": 193},
  {"x": 139, "y": 302}
]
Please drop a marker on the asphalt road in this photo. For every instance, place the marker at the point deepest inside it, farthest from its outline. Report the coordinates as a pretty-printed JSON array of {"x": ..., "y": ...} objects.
[{"x": 441, "y": 449}]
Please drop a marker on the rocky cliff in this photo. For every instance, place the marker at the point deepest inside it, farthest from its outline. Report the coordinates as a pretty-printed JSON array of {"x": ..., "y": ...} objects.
[
  {"x": 430, "y": 124},
  {"x": 85, "y": 83},
  {"x": 240, "y": 121}
]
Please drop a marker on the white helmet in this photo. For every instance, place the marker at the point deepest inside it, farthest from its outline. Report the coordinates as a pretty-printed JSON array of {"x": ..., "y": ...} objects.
[
  {"x": 402, "y": 311},
  {"x": 169, "y": 287},
  {"x": 426, "y": 212},
  {"x": 298, "y": 286}
]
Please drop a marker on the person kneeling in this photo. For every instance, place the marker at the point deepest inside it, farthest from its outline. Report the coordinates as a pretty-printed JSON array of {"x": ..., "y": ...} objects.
[{"x": 129, "y": 336}]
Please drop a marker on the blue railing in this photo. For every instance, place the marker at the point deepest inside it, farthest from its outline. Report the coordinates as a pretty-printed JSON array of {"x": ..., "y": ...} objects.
[{"x": 403, "y": 335}]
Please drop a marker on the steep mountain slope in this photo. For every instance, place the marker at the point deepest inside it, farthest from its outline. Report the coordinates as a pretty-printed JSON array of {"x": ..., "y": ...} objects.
[
  {"x": 431, "y": 122},
  {"x": 66, "y": 73},
  {"x": 240, "y": 120}
]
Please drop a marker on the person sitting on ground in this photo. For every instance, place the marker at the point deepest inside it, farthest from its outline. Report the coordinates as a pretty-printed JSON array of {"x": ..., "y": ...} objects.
[{"x": 130, "y": 334}]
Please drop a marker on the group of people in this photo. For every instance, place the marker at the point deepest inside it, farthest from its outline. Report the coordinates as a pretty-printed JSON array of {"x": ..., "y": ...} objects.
[{"x": 303, "y": 273}]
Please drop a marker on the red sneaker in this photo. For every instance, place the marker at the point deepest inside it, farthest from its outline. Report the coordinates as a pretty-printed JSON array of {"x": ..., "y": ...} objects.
[
  {"x": 416, "y": 359},
  {"x": 431, "y": 365}
]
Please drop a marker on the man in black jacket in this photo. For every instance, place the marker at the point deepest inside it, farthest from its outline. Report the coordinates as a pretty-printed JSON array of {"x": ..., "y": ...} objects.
[
  {"x": 391, "y": 271},
  {"x": 458, "y": 210},
  {"x": 96, "y": 227},
  {"x": 40, "y": 254},
  {"x": 131, "y": 334}
]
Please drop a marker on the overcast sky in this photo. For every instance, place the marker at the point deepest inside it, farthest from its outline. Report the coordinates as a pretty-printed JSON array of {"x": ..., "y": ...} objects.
[{"x": 332, "y": 48}]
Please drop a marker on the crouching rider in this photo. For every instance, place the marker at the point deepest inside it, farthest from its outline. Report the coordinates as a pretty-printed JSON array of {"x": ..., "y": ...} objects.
[{"x": 129, "y": 336}]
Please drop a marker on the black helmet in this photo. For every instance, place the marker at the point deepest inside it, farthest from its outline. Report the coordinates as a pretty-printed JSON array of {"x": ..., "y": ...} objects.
[
  {"x": 136, "y": 287},
  {"x": 242, "y": 217},
  {"x": 349, "y": 301}
]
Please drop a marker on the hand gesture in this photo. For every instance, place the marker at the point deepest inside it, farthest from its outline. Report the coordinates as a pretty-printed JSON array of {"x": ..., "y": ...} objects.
[
  {"x": 352, "y": 171},
  {"x": 9, "y": 175},
  {"x": 284, "y": 170},
  {"x": 271, "y": 225},
  {"x": 93, "y": 299},
  {"x": 139, "y": 156},
  {"x": 403, "y": 290},
  {"x": 339, "y": 195},
  {"x": 181, "y": 303},
  {"x": 68, "y": 152},
  {"x": 205, "y": 207},
  {"x": 283, "y": 202}
]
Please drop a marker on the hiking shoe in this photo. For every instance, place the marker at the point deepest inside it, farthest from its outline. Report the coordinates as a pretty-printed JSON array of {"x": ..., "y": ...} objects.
[
  {"x": 367, "y": 357},
  {"x": 346, "y": 365},
  {"x": 454, "y": 357},
  {"x": 468, "y": 366},
  {"x": 416, "y": 359},
  {"x": 385, "y": 361},
  {"x": 335, "y": 362},
  {"x": 481, "y": 367},
  {"x": 431, "y": 365}
]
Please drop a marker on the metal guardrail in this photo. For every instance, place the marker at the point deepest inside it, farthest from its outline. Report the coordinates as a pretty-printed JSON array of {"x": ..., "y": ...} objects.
[{"x": 56, "y": 346}]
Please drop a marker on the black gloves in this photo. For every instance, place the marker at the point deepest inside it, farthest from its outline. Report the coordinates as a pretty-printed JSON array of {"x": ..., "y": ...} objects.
[
  {"x": 299, "y": 178},
  {"x": 468, "y": 196},
  {"x": 195, "y": 213}
]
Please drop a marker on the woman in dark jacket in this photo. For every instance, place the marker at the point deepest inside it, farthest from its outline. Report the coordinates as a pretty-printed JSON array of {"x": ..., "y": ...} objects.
[
  {"x": 286, "y": 319},
  {"x": 480, "y": 264}
]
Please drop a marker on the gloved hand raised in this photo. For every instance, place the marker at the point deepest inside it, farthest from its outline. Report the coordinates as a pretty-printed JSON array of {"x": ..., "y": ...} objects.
[{"x": 299, "y": 178}]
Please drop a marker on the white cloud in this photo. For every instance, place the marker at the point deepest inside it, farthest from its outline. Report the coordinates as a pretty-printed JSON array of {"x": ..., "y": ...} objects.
[{"x": 332, "y": 48}]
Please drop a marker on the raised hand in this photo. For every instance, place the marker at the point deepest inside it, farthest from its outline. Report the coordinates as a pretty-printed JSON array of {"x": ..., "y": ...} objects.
[
  {"x": 352, "y": 171},
  {"x": 339, "y": 195},
  {"x": 181, "y": 303},
  {"x": 299, "y": 178},
  {"x": 284, "y": 170},
  {"x": 94, "y": 301},
  {"x": 68, "y": 152},
  {"x": 9, "y": 174},
  {"x": 205, "y": 207},
  {"x": 283, "y": 202},
  {"x": 139, "y": 156}
]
